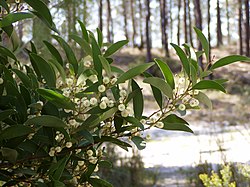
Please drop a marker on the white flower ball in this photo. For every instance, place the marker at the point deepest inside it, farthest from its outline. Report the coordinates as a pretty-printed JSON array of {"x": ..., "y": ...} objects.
[
  {"x": 68, "y": 144},
  {"x": 93, "y": 101},
  {"x": 86, "y": 103},
  {"x": 87, "y": 64},
  {"x": 121, "y": 107},
  {"x": 106, "y": 80},
  {"x": 182, "y": 107},
  {"x": 113, "y": 81},
  {"x": 125, "y": 113},
  {"x": 58, "y": 149},
  {"x": 123, "y": 93},
  {"x": 110, "y": 103},
  {"x": 80, "y": 163},
  {"x": 103, "y": 105},
  {"x": 101, "y": 88},
  {"x": 105, "y": 99},
  {"x": 159, "y": 125},
  {"x": 194, "y": 102}
]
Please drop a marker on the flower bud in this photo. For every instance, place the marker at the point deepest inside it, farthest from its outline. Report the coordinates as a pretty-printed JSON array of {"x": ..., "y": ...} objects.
[{"x": 101, "y": 88}]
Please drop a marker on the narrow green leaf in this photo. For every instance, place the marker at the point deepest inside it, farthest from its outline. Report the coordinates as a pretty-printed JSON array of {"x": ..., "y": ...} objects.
[
  {"x": 46, "y": 120},
  {"x": 105, "y": 65},
  {"x": 203, "y": 98},
  {"x": 100, "y": 37},
  {"x": 60, "y": 166},
  {"x": 41, "y": 8},
  {"x": 9, "y": 154},
  {"x": 208, "y": 84},
  {"x": 46, "y": 70},
  {"x": 87, "y": 135},
  {"x": 134, "y": 72},
  {"x": 116, "y": 70},
  {"x": 161, "y": 85},
  {"x": 105, "y": 164},
  {"x": 45, "y": 21},
  {"x": 96, "y": 51},
  {"x": 93, "y": 122},
  {"x": 15, "y": 131},
  {"x": 229, "y": 60},
  {"x": 193, "y": 74},
  {"x": 5, "y": 6},
  {"x": 54, "y": 52},
  {"x": 139, "y": 142},
  {"x": 166, "y": 71},
  {"x": 83, "y": 43},
  {"x": 183, "y": 58},
  {"x": 99, "y": 182},
  {"x": 173, "y": 122},
  {"x": 34, "y": 81},
  {"x": 8, "y": 30},
  {"x": 156, "y": 92},
  {"x": 6, "y": 52},
  {"x": 204, "y": 42},
  {"x": 205, "y": 74},
  {"x": 4, "y": 114},
  {"x": 23, "y": 77},
  {"x": 110, "y": 139},
  {"x": 56, "y": 98},
  {"x": 56, "y": 183},
  {"x": 18, "y": 101},
  {"x": 118, "y": 122},
  {"x": 134, "y": 121},
  {"x": 68, "y": 51},
  {"x": 115, "y": 47},
  {"x": 58, "y": 68},
  {"x": 33, "y": 47},
  {"x": 220, "y": 81},
  {"x": 14, "y": 17},
  {"x": 138, "y": 102},
  {"x": 35, "y": 67},
  {"x": 8, "y": 76},
  {"x": 84, "y": 31}
]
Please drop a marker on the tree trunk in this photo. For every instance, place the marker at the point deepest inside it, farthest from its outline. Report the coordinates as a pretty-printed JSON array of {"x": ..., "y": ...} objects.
[
  {"x": 110, "y": 33},
  {"x": 190, "y": 24},
  {"x": 133, "y": 22},
  {"x": 247, "y": 27},
  {"x": 240, "y": 27},
  {"x": 219, "y": 33},
  {"x": 100, "y": 15},
  {"x": 208, "y": 29},
  {"x": 179, "y": 22},
  {"x": 171, "y": 20},
  {"x": 148, "y": 34},
  {"x": 85, "y": 12},
  {"x": 74, "y": 15},
  {"x": 198, "y": 21},
  {"x": 124, "y": 5},
  {"x": 228, "y": 23},
  {"x": 185, "y": 21},
  {"x": 141, "y": 26},
  {"x": 164, "y": 36}
]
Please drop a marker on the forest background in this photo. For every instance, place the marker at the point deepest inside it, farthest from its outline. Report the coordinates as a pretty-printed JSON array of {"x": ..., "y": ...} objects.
[{"x": 147, "y": 24}]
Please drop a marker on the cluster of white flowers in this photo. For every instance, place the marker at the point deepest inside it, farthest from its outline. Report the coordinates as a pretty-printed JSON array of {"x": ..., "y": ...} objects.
[
  {"x": 106, "y": 102},
  {"x": 73, "y": 123},
  {"x": 54, "y": 150},
  {"x": 59, "y": 136}
]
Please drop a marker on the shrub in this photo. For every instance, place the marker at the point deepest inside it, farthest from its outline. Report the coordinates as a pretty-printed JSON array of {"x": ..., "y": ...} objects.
[{"x": 56, "y": 114}]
